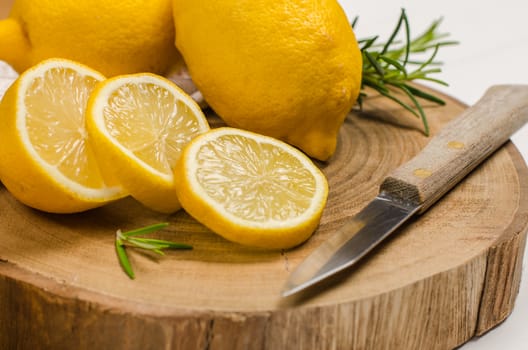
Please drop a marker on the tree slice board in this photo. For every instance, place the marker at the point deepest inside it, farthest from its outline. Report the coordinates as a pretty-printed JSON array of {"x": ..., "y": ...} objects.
[{"x": 448, "y": 275}]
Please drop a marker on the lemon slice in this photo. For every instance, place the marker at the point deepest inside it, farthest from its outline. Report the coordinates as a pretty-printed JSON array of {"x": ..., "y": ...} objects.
[
  {"x": 251, "y": 189},
  {"x": 139, "y": 124},
  {"x": 46, "y": 160}
]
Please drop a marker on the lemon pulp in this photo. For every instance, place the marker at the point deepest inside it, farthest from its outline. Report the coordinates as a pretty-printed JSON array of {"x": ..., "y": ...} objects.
[
  {"x": 254, "y": 181},
  {"x": 139, "y": 125},
  {"x": 151, "y": 123},
  {"x": 55, "y": 124}
]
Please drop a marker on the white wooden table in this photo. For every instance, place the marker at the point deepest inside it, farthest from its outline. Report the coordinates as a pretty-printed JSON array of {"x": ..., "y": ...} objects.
[{"x": 493, "y": 49}]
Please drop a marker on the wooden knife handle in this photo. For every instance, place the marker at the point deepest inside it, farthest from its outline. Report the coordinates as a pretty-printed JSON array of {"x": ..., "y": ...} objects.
[{"x": 460, "y": 146}]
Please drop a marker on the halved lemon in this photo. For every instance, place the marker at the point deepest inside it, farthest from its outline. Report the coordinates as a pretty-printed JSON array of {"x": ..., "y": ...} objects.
[
  {"x": 251, "y": 189},
  {"x": 139, "y": 125},
  {"x": 46, "y": 160}
]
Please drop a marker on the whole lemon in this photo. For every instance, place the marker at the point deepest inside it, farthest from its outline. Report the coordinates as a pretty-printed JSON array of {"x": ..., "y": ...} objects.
[
  {"x": 290, "y": 69},
  {"x": 111, "y": 36}
]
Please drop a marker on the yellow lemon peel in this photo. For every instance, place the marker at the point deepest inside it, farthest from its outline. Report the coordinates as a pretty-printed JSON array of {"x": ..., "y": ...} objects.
[{"x": 287, "y": 69}]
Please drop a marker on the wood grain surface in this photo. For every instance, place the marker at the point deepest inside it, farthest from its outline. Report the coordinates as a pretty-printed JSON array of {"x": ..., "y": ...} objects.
[{"x": 447, "y": 276}]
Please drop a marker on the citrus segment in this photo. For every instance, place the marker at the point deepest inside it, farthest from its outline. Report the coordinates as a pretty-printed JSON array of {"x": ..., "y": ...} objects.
[
  {"x": 46, "y": 160},
  {"x": 251, "y": 189},
  {"x": 139, "y": 124}
]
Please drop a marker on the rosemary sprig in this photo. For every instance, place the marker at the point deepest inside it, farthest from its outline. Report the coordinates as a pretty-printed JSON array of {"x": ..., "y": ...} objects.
[
  {"x": 131, "y": 239},
  {"x": 391, "y": 66}
]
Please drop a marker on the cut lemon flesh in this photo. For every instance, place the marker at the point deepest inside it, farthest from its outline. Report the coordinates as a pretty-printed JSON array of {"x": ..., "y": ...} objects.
[
  {"x": 139, "y": 125},
  {"x": 251, "y": 189},
  {"x": 46, "y": 160}
]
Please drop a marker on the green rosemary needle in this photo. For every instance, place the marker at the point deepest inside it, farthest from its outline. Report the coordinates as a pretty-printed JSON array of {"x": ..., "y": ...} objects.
[
  {"x": 390, "y": 66},
  {"x": 131, "y": 239}
]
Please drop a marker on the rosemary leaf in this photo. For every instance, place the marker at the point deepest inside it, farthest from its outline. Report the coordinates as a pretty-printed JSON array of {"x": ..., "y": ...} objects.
[
  {"x": 387, "y": 66},
  {"x": 433, "y": 80},
  {"x": 146, "y": 230},
  {"x": 131, "y": 240},
  {"x": 400, "y": 102},
  {"x": 407, "y": 37},
  {"x": 394, "y": 33},
  {"x": 424, "y": 95},
  {"x": 367, "y": 43},
  {"x": 123, "y": 258},
  {"x": 167, "y": 244},
  {"x": 399, "y": 66},
  {"x": 143, "y": 245},
  {"x": 374, "y": 63},
  {"x": 418, "y": 106}
]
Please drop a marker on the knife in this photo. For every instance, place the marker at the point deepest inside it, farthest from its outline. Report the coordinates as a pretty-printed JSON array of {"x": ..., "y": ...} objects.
[{"x": 416, "y": 185}]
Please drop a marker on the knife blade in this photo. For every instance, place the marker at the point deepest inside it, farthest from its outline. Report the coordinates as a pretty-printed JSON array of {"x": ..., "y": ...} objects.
[{"x": 415, "y": 186}]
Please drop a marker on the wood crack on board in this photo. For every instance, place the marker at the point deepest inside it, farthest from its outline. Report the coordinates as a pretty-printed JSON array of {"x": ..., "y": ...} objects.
[
  {"x": 482, "y": 294},
  {"x": 285, "y": 261},
  {"x": 501, "y": 282},
  {"x": 209, "y": 334}
]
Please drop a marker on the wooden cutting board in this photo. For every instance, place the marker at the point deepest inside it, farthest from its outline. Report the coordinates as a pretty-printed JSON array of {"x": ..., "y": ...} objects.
[{"x": 447, "y": 276}]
